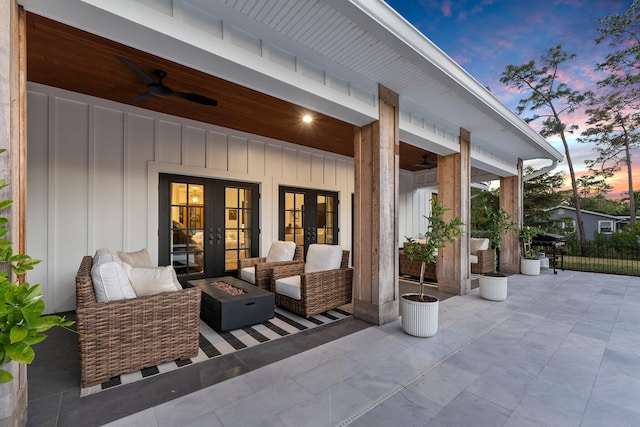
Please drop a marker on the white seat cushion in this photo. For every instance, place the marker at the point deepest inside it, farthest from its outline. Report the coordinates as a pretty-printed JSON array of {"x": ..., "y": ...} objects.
[
  {"x": 151, "y": 280},
  {"x": 478, "y": 244},
  {"x": 289, "y": 286},
  {"x": 473, "y": 259},
  {"x": 248, "y": 274},
  {"x": 139, "y": 258},
  {"x": 110, "y": 280},
  {"x": 281, "y": 251},
  {"x": 323, "y": 257}
]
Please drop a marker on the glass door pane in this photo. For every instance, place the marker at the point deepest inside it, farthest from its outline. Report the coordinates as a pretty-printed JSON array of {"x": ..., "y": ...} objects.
[
  {"x": 238, "y": 226},
  {"x": 294, "y": 215},
  {"x": 187, "y": 227},
  {"x": 326, "y": 219}
]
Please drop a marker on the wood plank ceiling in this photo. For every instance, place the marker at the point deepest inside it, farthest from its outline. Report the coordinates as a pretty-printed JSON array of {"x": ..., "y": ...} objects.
[{"x": 68, "y": 58}]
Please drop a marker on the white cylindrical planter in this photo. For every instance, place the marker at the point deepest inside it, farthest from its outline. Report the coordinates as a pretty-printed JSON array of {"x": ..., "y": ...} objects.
[
  {"x": 419, "y": 319},
  {"x": 530, "y": 267},
  {"x": 544, "y": 262},
  {"x": 493, "y": 287}
]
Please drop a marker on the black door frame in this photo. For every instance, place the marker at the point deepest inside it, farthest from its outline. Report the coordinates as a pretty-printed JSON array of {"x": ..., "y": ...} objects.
[
  {"x": 309, "y": 212},
  {"x": 214, "y": 221}
]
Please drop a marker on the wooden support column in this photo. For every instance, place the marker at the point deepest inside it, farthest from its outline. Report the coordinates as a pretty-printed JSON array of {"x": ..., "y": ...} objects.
[
  {"x": 13, "y": 408},
  {"x": 454, "y": 193},
  {"x": 375, "y": 278},
  {"x": 511, "y": 199}
]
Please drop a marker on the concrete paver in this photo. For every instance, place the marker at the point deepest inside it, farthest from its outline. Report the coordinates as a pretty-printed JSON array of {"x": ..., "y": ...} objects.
[{"x": 561, "y": 350}]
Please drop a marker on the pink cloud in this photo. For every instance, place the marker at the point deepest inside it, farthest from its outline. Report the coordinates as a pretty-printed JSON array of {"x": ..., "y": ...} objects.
[
  {"x": 536, "y": 18},
  {"x": 446, "y": 8},
  {"x": 461, "y": 59},
  {"x": 505, "y": 43},
  {"x": 479, "y": 8}
]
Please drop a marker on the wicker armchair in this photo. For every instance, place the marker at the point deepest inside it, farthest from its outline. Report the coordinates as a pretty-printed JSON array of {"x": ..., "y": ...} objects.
[
  {"x": 263, "y": 269},
  {"x": 486, "y": 262},
  {"x": 127, "y": 335},
  {"x": 319, "y": 291}
]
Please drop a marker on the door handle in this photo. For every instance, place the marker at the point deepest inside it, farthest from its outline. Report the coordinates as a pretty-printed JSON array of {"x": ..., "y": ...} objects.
[{"x": 311, "y": 233}]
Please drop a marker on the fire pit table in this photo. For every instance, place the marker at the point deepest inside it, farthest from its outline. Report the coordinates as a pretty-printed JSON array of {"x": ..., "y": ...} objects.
[{"x": 246, "y": 305}]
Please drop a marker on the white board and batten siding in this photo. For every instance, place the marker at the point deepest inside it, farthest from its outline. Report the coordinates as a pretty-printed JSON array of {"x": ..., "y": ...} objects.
[
  {"x": 414, "y": 205},
  {"x": 93, "y": 169}
]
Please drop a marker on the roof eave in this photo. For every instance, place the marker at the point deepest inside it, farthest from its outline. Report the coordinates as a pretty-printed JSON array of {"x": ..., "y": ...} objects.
[{"x": 406, "y": 33}]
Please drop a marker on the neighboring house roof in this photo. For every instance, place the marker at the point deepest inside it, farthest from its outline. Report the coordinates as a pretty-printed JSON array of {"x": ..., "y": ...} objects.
[
  {"x": 600, "y": 214},
  {"x": 329, "y": 56}
]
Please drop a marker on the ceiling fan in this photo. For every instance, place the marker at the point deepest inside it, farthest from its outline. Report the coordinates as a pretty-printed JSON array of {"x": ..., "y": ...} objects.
[
  {"x": 157, "y": 89},
  {"x": 425, "y": 163}
]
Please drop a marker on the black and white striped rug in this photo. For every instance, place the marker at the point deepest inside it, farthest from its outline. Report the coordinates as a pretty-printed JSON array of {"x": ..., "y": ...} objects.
[{"x": 214, "y": 343}]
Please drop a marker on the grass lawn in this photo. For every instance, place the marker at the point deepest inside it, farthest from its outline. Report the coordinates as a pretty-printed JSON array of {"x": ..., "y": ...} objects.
[{"x": 602, "y": 265}]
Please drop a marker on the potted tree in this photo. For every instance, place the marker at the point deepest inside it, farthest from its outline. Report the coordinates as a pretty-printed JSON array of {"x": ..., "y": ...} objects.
[
  {"x": 529, "y": 263},
  {"x": 419, "y": 311},
  {"x": 493, "y": 286}
]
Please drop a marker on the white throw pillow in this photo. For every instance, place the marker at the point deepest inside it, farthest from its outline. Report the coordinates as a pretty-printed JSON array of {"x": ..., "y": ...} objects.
[
  {"x": 110, "y": 281},
  {"x": 478, "y": 244},
  {"x": 175, "y": 280},
  {"x": 323, "y": 257},
  {"x": 139, "y": 258},
  {"x": 281, "y": 251},
  {"x": 151, "y": 280}
]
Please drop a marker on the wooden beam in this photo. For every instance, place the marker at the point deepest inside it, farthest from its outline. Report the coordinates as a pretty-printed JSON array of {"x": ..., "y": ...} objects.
[
  {"x": 376, "y": 148},
  {"x": 18, "y": 148},
  {"x": 511, "y": 194},
  {"x": 454, "y": 193}
]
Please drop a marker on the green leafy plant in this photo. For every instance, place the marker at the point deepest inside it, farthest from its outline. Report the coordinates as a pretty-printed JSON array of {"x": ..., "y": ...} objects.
[
  {"x": 21, "y": 305},
  {"x": 527, "y": 233},
  {"x": 439, "y": 233},
  {"x": 498, "y": 222}
]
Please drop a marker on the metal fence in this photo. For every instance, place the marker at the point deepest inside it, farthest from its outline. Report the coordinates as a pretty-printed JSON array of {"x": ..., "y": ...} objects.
[{"x": 604, "y": 256}]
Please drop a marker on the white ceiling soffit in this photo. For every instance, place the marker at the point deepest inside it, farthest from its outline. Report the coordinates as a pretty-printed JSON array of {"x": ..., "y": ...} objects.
[{"x": 326, "y": 55}]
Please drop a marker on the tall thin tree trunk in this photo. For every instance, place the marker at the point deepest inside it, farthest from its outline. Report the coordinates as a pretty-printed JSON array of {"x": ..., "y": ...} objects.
[
  {"x": 576, "y": 198},
  {"x": 422, "y": 269},
  {"x": 632, "y": 201}
]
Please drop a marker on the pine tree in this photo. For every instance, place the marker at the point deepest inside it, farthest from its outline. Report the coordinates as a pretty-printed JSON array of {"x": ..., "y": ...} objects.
[
  {"x": 550, "y": 99},
  {"x": 613, "y": 118}
]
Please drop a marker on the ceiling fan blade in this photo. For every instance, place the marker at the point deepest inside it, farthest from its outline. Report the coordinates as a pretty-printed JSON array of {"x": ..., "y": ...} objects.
[
  {"x": 138, "y": 72},
  {"x": 143, "y": 97},
  {"x": 194, "y": 97}
]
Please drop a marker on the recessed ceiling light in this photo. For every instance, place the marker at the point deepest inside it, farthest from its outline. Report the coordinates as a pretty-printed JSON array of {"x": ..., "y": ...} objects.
[{"x": 307, "y": 118}]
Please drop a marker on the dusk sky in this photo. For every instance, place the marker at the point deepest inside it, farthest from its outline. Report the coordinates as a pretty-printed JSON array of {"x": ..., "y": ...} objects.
[{"x": 484, "y": 36}]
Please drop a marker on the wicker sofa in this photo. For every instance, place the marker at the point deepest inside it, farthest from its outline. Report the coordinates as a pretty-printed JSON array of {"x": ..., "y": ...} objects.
[
  {"x": 319, "y": 291},
  {"x": 130, "y": 334},
  {"x": 411, "y": 267}
]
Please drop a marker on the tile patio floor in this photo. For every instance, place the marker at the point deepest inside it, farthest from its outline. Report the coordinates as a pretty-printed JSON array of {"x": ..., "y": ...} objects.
[{"x": 562, "y": 350}]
